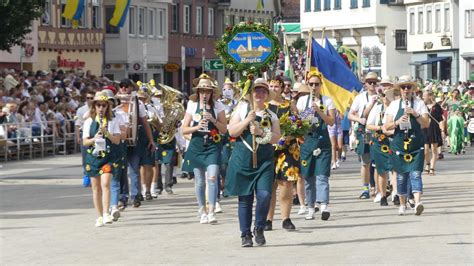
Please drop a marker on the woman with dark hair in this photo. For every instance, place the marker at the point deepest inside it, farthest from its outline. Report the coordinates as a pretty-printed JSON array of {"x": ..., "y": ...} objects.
[
  {"x": 100, "y": 131},
  {"x": 432, "y": 134},
  {"x": 205, "y": 120}
]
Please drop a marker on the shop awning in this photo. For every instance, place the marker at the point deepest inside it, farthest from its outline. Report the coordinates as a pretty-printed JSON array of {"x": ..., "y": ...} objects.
[
  {"x": 289, "y": 27},
  {"x": 430, "y": 60}
]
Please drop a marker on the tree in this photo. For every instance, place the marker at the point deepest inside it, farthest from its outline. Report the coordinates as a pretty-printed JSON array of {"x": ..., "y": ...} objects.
[
  {"x": 299, "y": 44},
  {"x": 16, "y": 17}
]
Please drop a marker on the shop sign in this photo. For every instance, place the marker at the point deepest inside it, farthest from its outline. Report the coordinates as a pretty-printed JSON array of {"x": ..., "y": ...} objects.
[
  {"x": 171, "y": 67},
  {"x": 62, "y": 62}
]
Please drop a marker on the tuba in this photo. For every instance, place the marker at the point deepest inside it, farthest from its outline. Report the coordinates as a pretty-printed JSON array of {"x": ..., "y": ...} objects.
[{"x": 173, "y": 113}]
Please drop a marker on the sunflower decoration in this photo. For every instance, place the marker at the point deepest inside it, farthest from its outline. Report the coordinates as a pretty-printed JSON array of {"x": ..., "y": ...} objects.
[
  {"x": 115, "y": 165},
  {"x": 164, "y": 153},
  {"x": 384, "y": 148},
  {"x": 322, "y": 108},
  {"x": 216, "y": 138},
  {"x": 290, "y": 171},
  {"x": 89, "y": 150},
  {"x": 284, "y": 105},
  {"x": 280, "y": 161},
  {"x": 265, "y": 123},
  {"x": 408, "y": 157},
  {"x": 106, "y": 168},
  {"x": 88, "y": 167},
  {"x": 376, "y": 135},
  {"x": 381, "y": 137},
  {"x": 304, "y": 163},
  {"x": 102, "y": 98},
  {"x": 406, "y": 143}
]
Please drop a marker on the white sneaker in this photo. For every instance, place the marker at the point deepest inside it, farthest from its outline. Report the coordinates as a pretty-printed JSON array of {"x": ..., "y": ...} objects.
[
  {"x": 154, "y": 194},
  {"x": 302, "y": 210},
  {"x": 325, "y": 212},
  {"x": 218, "y": 208},
  {"x": 310, "y": 215},
  {"x": 378, "y": 197},
  {"x": 99, "y": 222},
  {"x": 419, "y": 209},
  {"x": 338, "y": 163},
  {"x": 204, "y": 219},
  {"x": 115, "y": 214},
  {"x": 211, "y": 218},
  {"x": 401, "y": 210},
  {"x": 107, "y": 218},
  {"x": 333, "y": 166}
]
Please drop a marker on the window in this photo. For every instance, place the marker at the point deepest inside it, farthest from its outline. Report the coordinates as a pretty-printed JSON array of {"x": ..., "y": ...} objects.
[
  {"x": 141, "y": 21},
  {"x": 307, "y": 5},
  {"x": 429, "y": 19},
  {"x": 400, "y": 39},
  {"x": 366, "y": 3},
  {"x": 83, "y": 20},
  {"x": 161, "y": 23},
  {"x": 231, "y": 20},
  {"x": 198, "y": 20},
  {"x": 412, "y": 21},
  {"x": 327, "y": 4},
  {"x": 438, "y": 19},
  {"x": 242, "y": 19},
  {"x": 210, "y": 21},
  {"x": 65, "y": 23},
  {"x": 469, "y": 22},
  {"x": 420, "y": 20},
  {"x": 317, "y": 5},
  {"x": 337, "y": 4},
  {"x": 353, "y": 3},
  {"x": 175, "y": 17},
  {"x": 187, "y": 18},
  {"x": 96, "y": 15},
  {"x": 447, "y": 18},
  {"x": 151, "y": 22},
  {"x": 132, "y": 22},
  {"x": 46, "y": 17},
  {"x": 109, "y": 12}
]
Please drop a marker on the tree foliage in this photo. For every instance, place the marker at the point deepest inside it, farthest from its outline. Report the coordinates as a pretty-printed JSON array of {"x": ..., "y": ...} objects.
[
  {"x": 16, "y": 17},
  {"x": 299, "y": 44}
]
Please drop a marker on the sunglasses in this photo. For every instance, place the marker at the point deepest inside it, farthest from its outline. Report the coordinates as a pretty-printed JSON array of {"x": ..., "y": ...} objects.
[
  {"x": 382, "y": 94},
  {"x": 314, "y": 84},
  {"x": 90, "y": 98},
  {"x": 372, "y": 82},
  {"x": 405, "y": 87},
  {"x": 101, "y": 105}
]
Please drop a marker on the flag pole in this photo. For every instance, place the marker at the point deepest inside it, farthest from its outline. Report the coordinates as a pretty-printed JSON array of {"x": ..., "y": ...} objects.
[{"x": 308, "y": 59}]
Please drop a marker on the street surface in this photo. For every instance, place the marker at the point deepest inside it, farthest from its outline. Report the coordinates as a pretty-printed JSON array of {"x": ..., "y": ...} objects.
[{"x": 47, "y": 217}]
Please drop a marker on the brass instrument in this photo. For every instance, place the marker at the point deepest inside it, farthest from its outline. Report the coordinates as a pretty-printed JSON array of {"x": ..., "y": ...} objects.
[{"x": 173, "y": 113}]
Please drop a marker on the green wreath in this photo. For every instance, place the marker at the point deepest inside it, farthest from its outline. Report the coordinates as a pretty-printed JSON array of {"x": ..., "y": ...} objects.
[{"x": 245, "y": 68}]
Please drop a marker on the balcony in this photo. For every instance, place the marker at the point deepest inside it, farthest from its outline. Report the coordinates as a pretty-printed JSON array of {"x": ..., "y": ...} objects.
[{"x": 70, "y": 39}]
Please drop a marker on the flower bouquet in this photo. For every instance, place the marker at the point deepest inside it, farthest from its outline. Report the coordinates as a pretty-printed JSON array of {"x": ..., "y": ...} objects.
[{"x": 292, "y": 126}]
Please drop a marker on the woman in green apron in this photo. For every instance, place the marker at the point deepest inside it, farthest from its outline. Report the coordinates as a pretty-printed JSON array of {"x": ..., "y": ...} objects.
[
  {"x": 408, "y": 116},
  {"x": 380, "y": 143},
  {"x": 316, "y": 149},
  {"x": 205, "y": 120},
  {"x": 100, "y": 132},
  {"x": 243, "y": 179},
  {"x": 287, "y": 163}
]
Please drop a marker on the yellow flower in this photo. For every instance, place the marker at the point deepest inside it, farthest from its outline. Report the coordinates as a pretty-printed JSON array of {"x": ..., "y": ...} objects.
[
  {"x": 296, "y": 156},
  {"x": 164, "y": 153},
  {"x": 284, "y": 105},
  {"x": 281, "y": 159},
  {"x": 115, "y": 165},
  {"x": 384, "y": 148},
  {"x": 407, "y": 157},
  {"x": 216, "y": 138},
  {"x": 88, "y": 167},
  {"x": 265, "y": 123},
  {"x": 289, "y": 172},
  {"x": 304, "y": 163}
]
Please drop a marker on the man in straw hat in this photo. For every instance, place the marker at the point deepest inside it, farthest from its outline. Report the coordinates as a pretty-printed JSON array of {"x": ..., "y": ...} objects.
[
  {"x": 358, "y": 113},
  {"x": 407, "y": 116}
]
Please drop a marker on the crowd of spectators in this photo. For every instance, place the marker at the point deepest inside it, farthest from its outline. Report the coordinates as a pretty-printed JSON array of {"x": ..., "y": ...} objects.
[{"x": 297, "y": 62}]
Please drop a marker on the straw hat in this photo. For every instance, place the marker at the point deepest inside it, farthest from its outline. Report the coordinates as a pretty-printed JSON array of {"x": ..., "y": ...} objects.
[
  {"x": 405, "y": 80},
  {"x": 204, "y": 84},
  {"x": 387, "y": 81},
  {"x": 202, "y": 76},
  {"x": 228, "y": 81},
  {"x": 261, "y": 83},
  {"x": 303, "y": 88},
  {"x": 101, "y": 96},
  {"x": 371, "y": 76},
  {"x": 296, "y": 86},
  {"x": 391, "y": 93},
  {"x": 110, "y": 95}
]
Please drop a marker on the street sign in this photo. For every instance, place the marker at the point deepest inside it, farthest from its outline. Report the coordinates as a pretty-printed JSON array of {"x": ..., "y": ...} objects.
[{"x": 213, "y": 64}]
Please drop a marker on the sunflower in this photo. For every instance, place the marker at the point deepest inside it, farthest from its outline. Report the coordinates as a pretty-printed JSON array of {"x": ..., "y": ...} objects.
[
  {"x": 304, "y": 163},
  {"x": 106, "y": 168},
  {"x": 284, "y": 105},
  {"x": 265, "y": 123},
  {"x": 384, "y": 148},
  {"x": 280, "y": 161},
  {"x": 296, "y": 156},
  {"x": 382, "y": 137},
  {"x": 164, "y": 153},
  {"x": 216, "y": 138},
  {"x": 290, "y": 172},
  {"x": 408, "y": 157},
  {"x": 88, "y": 167}
]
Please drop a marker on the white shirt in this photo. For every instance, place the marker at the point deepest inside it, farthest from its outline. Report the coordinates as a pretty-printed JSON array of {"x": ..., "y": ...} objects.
[
  {"x": 80, "y": 115},
  {"x": 192, "y": 108},
  {"x": 374, "y": 115},
  {"x": 121, "y": 117},
  {"x": 301, "y": 104},
  {"x": 112, "y": 126},
  {"x": 418, "y": 105},
  {"x": 158, "y": 107},
  {"x": 360, "y": 101},
  {"x": 241, "y": 110}
]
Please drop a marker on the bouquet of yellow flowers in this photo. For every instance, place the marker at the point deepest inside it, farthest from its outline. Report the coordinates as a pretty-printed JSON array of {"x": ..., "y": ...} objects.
[{"x": 292, "y": 125}]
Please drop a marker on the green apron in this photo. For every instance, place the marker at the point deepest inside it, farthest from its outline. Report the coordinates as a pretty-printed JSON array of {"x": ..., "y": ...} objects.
[
  {"x": 200, "y": 154},
  {"x": 165, "y": 152},
  {"x": 241, "y": 178},
  {"x": 380, "y": 155},
  {"x": 363, "y": 138},
  {"x": 227, "y": 148},
  {"x": 110, "y": 156},
  {"x": 414, "y": 149},
  {"x": 318, "y": 138}
]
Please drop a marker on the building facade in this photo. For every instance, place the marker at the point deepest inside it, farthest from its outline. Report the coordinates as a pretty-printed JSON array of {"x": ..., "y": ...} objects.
[
  {"x": 138, "y": 50},
  {"x": 466, "y": 40},
  {"x": 433, "y": 38},
  {"x": 372, "y": 28},
  {"x": 22, "y": 56},
  {"x": 62, "y": 47}
]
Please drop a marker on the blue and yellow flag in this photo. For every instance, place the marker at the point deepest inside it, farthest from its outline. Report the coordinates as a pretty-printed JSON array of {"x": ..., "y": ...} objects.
[
  {"x": 73, "y": 9},
  {"x": 260, "y": 5},
  {"x": 120, "y": 13},
  {"x": 333, "y": 51},
  {"x": 339, "y": 82}
]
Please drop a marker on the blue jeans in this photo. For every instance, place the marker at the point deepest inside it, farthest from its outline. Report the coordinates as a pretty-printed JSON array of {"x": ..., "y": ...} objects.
[
  {"x": 124, "y": 185},
  {"x": 316, "y": 190},
  {"x": 114, "y": 191},
  {"x": 200, "y": 185},
  {"x": 409, "y": 180},
  {"x": 261, "y": 210},
  {"x": 134, "y": 173}
]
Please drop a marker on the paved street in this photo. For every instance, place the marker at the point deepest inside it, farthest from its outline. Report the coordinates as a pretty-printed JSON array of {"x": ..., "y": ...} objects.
[{"x": 47, "y": 217}]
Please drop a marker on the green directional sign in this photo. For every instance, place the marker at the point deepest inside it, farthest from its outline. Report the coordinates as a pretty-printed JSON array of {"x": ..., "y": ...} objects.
[{"x": 213, "y": 64}]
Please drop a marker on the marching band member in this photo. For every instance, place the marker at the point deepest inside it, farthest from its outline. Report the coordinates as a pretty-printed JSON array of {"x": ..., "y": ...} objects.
[
  {"x": 242, "y": 178},
  {"x": 316, "y": 149},
  {"x": 205, "y": 120},
  {"x": 408, "y": 116},
  {"x": 100, "y": 132},
  {"x": 287, "y": 166}
]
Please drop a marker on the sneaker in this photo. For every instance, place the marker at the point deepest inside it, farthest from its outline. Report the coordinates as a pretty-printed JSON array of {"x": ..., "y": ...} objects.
[
  {"x": 310, "y": 214},
  {"x": 99, "y": 222},
  {"x": 268, "y": 226},
  {"x": 107, "y": 218},
  {"x": 401, "y": 210},
  {"x": 259, "y": 237},
  {"x": 204, "y": 219},
  {"x": 218, "y": 208},
  {"x": 383, "y": 201},
  {"x": 325, "y": 212},
  {"x": 115, "y": 214},
  {"x": 183, "y": 175},
  {"x": 288, "y": 225},
  {"x": 338, "y": 164},
  {"x": 247, "y": 241},
  {"x": 175, "y": 181},
  {"x": 148, "y": 196},
  {"x": 169, "y": 190},
  {"x": 365, "y": 195},
  {"x": 211, "y": 218},
  {"x": 396, "y": 200},
  {"x": 333, "y": 166},
  {"x": 154, "y": 194},
  {"x": 419, "y": 209},
  {"x": 378, "y": 197},
  {"x": 302, "y": 210},
  {"x": 136, "y": 203}
]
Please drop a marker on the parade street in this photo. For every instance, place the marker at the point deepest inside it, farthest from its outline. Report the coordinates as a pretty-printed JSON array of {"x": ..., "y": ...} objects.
[{"x": 47, "y": 217}]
